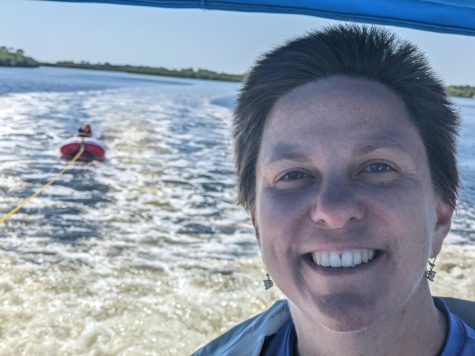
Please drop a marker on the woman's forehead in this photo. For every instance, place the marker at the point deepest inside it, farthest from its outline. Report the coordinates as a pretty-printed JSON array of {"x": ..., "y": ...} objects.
[
  {"x": 338, "y": 88},
  {"x": 352, "y": 112},
  {"x": 338, "y": 103}
]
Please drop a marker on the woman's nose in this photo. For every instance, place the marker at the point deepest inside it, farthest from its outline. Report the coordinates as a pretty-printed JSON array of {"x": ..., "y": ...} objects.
[{"x": 336, "y": 205}]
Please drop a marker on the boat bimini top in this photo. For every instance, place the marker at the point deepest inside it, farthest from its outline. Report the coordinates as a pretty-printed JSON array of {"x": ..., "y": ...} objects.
[{"x": 448, "y": 16}]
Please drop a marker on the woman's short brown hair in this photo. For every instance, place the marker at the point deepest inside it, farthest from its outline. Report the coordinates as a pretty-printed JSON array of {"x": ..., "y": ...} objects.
[{"x": 358, "y": 51}]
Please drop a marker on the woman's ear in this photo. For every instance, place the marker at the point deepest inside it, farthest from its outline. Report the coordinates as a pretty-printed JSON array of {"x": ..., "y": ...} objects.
[
  {"x": 444, "y": 214},
  {"x": 256, "y": 226}
]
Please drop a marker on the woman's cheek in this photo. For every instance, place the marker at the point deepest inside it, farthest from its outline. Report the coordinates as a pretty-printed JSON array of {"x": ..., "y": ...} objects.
[{"x": 282, "y": 208}]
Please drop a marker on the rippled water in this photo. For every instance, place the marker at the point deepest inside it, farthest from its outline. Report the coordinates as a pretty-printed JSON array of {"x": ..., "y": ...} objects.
[{"x": 146, "y": 252}]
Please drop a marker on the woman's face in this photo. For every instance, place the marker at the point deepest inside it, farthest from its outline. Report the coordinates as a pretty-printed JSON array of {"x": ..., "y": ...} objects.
[{"x": 343, "y": 178}]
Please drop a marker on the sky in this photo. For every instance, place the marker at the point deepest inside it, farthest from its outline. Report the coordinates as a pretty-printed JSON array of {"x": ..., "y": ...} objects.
[{"x": 216, "y": 40}]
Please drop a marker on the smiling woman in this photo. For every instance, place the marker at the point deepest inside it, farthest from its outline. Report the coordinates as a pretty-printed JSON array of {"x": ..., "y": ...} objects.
[
  {"x": 345, "y": 154},
  {"x": 362, "y": 197}
]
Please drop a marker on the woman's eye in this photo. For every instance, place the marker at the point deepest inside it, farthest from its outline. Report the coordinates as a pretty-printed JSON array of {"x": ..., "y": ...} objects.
[
  {"x": 294, "y": 175},
  {"x": 293, "y": 180},
  {"x": 378, "y": 172},
  {"x": 378, "y": 167}
]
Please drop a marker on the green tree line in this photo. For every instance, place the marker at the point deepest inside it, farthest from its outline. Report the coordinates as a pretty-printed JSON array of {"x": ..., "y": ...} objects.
[
  {"x": 15, "y": 58},
  {"x": 465, "y": 91},
  {"x": 183, "y": 73}
]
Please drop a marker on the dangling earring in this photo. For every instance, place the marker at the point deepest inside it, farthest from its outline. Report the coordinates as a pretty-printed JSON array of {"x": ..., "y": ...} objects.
[
  {"x": 430, "y": 273},
  {"x": 268, "y": 282}
]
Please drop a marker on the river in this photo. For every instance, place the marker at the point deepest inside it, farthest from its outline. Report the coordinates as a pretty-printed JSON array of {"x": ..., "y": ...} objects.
[{"x": 145, "y": 253}]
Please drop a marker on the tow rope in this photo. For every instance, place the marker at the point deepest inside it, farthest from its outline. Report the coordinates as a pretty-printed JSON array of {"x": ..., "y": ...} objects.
[{"x": 42, "y": 188}]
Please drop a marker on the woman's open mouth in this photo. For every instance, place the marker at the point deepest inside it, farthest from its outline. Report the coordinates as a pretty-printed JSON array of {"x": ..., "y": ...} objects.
[{"x": 344, "y": 258}]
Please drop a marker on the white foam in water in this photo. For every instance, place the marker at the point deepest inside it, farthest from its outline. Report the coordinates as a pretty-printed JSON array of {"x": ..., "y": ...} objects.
[{"x": 147, "y": 251}]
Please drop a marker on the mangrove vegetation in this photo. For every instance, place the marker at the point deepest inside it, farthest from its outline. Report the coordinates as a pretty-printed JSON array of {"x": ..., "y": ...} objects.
[
  {"x": 9, "y": 57},
  {"x": 182, "y": 73},
  {"x": 16, "y": 58},
  {"x": 465, "y": 91}
]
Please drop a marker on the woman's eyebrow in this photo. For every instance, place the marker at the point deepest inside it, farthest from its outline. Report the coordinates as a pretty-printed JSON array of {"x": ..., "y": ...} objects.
[
  {"x": 381, "y": 144},
  {"x": 282, "y": 152},
  {"x": 291, "y": 152},
  {"x": 388, "y": 138}
]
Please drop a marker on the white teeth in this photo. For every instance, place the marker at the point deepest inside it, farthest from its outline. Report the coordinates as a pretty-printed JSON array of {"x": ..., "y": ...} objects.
[
  {"x": 364, "y": 256},
  {"x": 356, "y": 257},
  {"x": 346, "y": 258},
  {"x": 325, "y": 259},
  {"x": 317, "y": 259},
  {"x": 335, "y": 259}
]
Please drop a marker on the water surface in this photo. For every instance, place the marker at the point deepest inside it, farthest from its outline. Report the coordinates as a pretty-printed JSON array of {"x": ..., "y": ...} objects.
[{"x": 146, "y": 252}]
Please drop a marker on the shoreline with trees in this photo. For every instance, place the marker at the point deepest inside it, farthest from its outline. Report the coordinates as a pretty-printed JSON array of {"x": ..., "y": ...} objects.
[
  {"x": 180, "y": 73},
  {"x": 10, "y": 57},
  {"x": 464, "y": 91}
]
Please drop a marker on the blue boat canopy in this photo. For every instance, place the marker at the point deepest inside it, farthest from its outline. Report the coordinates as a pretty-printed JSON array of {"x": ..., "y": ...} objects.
[{"x": 448, "y": 16}]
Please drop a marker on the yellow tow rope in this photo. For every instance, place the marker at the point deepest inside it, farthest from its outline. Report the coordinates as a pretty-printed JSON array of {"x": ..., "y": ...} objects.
[{"x": 43, "y": 188}]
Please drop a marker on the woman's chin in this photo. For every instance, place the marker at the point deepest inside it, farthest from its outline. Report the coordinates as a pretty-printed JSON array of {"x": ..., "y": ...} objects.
[{"x": 346, "y": 312}]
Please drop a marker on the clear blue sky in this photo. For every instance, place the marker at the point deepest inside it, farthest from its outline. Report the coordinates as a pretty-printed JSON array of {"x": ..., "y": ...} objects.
[{"x": 216, "y": 40}]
